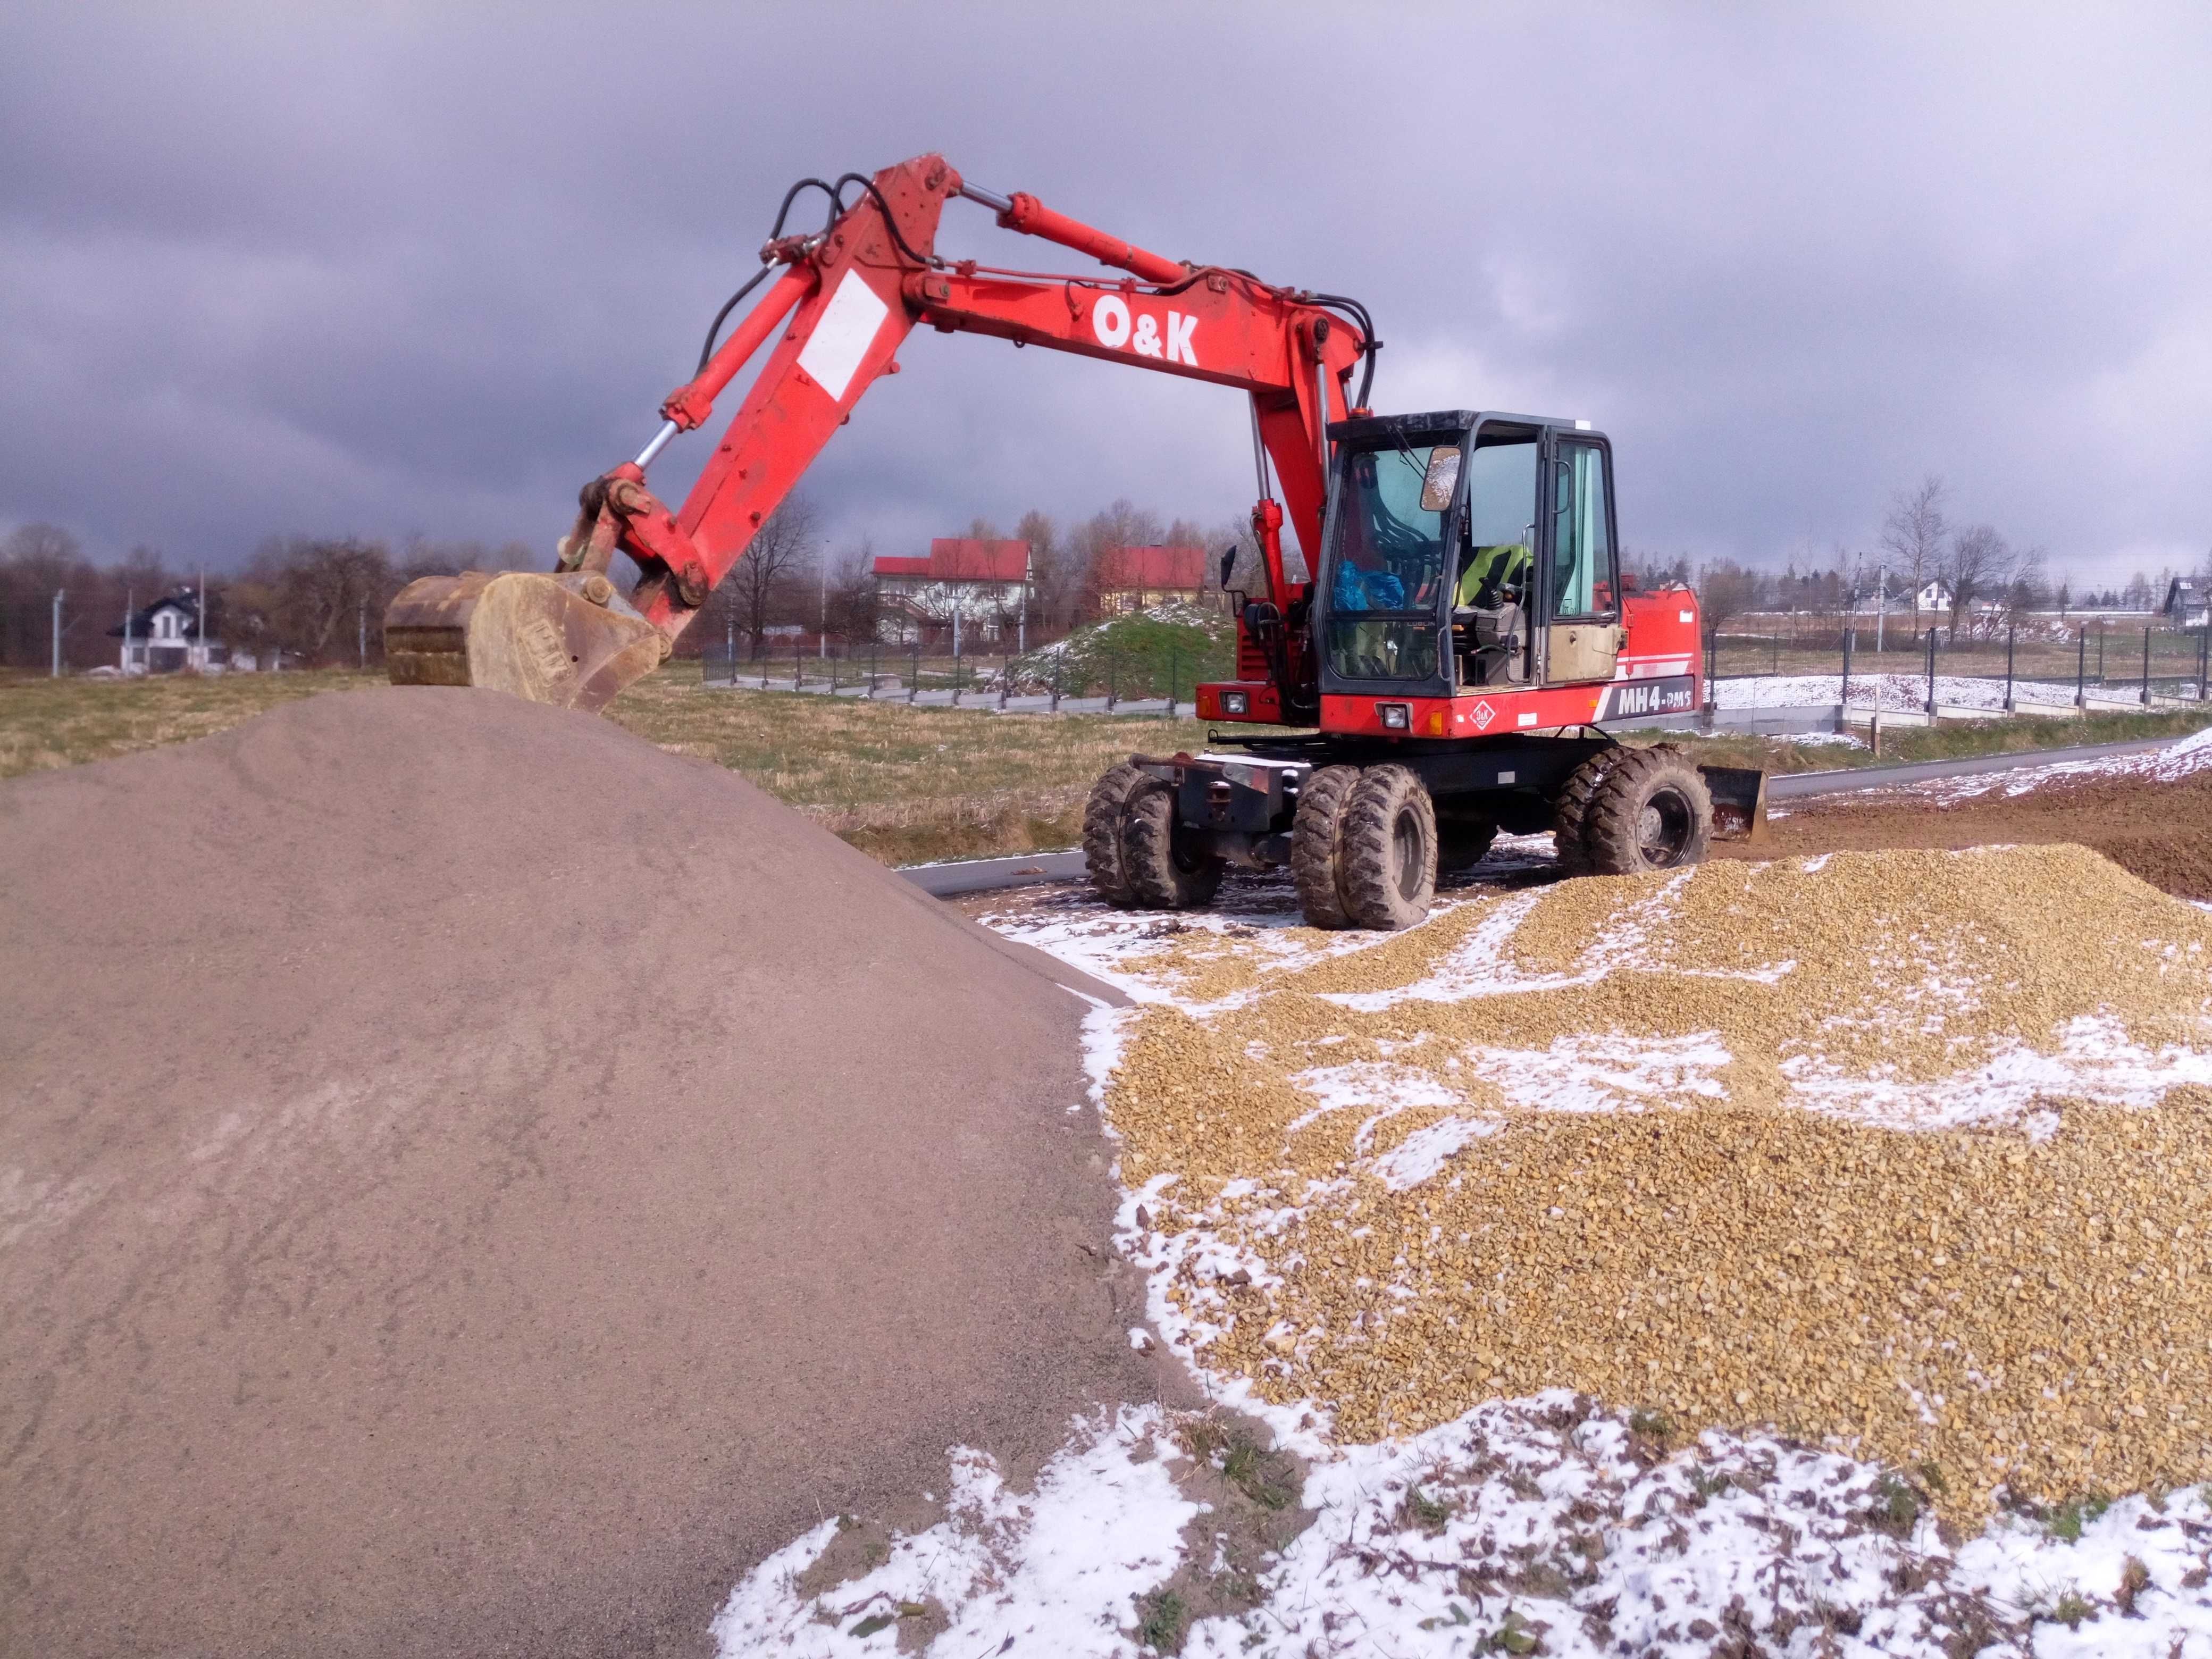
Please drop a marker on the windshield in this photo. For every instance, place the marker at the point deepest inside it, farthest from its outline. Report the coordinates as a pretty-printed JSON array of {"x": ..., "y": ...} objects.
[{"x": 1388, "y": 569}]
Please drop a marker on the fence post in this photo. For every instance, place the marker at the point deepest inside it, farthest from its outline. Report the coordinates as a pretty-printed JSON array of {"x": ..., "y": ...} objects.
[
  {"x": 1931, "y": 677},
  {"x": 914, "y": 679},
  {"x": 2145, "y": 667},
  {"x": 1175, "y": 664},
  {"x": 1113, "y": 680},
  {"x": 798, "y": 660},
  {"x": 766, "y": 658},
  {"x": 2012, "y": 634},
  {"x": 2081, "y": 670},
  {"x": 874, "y": 646},
  {"x": 2203, "y": 661},
  {"x": 1005, "y": 679},
  {"x": 1844, "y": 700},
  {"x": 1056, "y": 657}
]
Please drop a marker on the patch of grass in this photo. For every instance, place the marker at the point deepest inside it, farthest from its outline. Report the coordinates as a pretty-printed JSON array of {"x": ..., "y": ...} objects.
[
  {"x": 1262, "y": 1476},
  {"x": 47, "y": 723},
  {"x": 1422, "y": 1513},
  {"x": 1161, "y": 1620},
  {"x": 1162, "y": 652},
  {"x": 904, "y": 784},
  {"x": 1654, "y": 1426},
  {"x": 1896, "y": 1504},
  {"x": 2068, "y": 1518},
  {"x": 2071, "y": 1610}
]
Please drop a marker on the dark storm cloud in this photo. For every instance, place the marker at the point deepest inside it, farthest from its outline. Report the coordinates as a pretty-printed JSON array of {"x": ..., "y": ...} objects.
[{"x": 390, "y": 269}]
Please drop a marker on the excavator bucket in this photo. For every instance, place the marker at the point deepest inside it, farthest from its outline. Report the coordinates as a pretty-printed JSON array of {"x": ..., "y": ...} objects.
[
  {"x": 555, "y": 639},
  {"x": 1739, "y": 795}
]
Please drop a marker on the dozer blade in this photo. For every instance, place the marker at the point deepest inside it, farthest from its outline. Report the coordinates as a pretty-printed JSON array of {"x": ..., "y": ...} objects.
[
  {"x": 551, "y": 638},
  {"x": 1739, "y": 795}
]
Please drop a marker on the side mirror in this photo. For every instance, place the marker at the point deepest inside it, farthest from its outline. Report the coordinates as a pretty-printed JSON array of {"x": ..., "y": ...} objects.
[
  {"x": 1228, "y": 564},
  {"x": 1441, "y": 479}
]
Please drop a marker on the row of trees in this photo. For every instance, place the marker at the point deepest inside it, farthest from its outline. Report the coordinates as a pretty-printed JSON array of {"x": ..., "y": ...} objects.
[
  {"x": 1980, "y": 572},
  {"x": 317, "y": 600}
]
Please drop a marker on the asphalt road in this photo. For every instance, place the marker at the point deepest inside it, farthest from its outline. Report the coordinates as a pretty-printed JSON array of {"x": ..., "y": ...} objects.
[{"x": 1032, "y": 869}]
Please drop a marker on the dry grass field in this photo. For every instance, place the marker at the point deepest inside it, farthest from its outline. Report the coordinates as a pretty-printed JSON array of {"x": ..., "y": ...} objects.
[{"x": 903, "y": 784}]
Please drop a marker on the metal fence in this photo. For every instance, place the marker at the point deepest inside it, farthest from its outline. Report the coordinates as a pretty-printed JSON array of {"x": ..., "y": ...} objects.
[
  {"x": 2099, "y": 664},
  {"x": 906, "y": 673}
]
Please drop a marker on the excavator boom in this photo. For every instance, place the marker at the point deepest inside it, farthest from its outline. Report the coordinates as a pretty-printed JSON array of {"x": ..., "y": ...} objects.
[{"x": 853, "y": 293}]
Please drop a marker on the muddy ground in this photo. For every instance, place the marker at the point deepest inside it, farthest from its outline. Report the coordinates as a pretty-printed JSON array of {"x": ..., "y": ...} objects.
[{"x": 2161, "y": 832}]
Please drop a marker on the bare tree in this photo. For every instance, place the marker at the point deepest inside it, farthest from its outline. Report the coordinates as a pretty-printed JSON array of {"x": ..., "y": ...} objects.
[
  {"x": 759, "y": 583},
  {"x": 1980, "y": 563},
  {"x": 855, "y": 607},
  {"x": 1912, "y": 532},
  {"x": 1725, "y": 589},
  {"x": 1056, "y": 575}
]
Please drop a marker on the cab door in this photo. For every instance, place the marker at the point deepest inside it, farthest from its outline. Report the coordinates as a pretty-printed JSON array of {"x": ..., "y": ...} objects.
[{"x": 1581, "y": 619}]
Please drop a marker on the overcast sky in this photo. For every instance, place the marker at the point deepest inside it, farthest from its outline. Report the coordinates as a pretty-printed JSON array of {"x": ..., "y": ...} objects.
[{"x": 430, "y": 268}]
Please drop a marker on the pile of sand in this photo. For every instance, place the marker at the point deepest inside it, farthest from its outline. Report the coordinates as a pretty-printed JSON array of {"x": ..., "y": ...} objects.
[
  {"x": 471, "y": 1183},
  {"x": 1904, "y": 1149}
]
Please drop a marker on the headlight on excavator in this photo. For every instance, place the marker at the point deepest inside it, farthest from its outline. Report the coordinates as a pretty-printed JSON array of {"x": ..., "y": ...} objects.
[
  {"x": 1396, "y": 716},
  {"x": 1236, "y": 702}
]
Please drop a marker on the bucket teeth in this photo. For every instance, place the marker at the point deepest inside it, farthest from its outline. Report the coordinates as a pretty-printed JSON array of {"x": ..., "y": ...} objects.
[{"x": 548, "y": 638}]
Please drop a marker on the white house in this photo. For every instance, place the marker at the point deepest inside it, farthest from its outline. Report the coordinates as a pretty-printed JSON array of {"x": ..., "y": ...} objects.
[
  {"x": 2189, "y": 602},
  {"x": 165, "y": 638}
]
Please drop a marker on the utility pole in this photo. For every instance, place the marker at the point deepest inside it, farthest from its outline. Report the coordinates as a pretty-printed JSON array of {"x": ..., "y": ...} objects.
[
  {"x": 1022, "y": 628},
  {"x": 1880, "y": 606},
  {"x": 822, "y": 630},
  {"x": 57, "y": 672},
  {"x": 129, "y": 603}
]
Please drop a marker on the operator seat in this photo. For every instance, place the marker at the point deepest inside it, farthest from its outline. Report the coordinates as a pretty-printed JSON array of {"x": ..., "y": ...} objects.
[{"x": 1490, "y": 633}]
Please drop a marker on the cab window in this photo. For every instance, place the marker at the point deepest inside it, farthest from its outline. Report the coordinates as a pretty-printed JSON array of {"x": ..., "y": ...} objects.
[{"x": 1582, "y": 544}]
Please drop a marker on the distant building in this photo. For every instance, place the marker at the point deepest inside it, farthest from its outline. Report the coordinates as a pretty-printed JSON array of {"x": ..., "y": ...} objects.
[
  {"x": 1137, "y": 578},
  {"x": 164, "y": 638},
  {"x": 1934, "y": 597},
  {"x": 2189, "y": 602},
  {"x": 964, "y": 587}
]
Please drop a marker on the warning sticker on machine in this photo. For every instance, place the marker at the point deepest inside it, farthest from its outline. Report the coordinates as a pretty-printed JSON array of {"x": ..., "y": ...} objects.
[{"x": 1639, "y": 699}]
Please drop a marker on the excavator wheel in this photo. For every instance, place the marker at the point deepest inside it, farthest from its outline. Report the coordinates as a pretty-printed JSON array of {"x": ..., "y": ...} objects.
[
  {"x": 1164, "y": 871},
  {"x": 1651, "y": 811},
  {"x": 1389, "y": 871},
  {"x": 1103, "y": 854},
  {"x": 565, "y": 640},
  {"x": 1570, "y": 813},
  {"x": 1317, "y": 845}
]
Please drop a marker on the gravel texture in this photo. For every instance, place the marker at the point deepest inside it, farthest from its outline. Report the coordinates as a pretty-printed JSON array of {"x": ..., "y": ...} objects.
[{"x": 1897, "y": 1152}]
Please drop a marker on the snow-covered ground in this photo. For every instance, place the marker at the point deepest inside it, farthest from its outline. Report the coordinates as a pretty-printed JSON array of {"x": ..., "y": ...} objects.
[
  {"x": 1554, "y": 1524},
  {"x": 1547, "y": 1525},
  {"x": 2170, "y": 764},
  {"x": 1906, "y": 693}
]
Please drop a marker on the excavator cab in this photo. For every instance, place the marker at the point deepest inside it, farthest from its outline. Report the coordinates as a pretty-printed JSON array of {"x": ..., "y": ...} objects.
[{"x": 1466, "y": 553}]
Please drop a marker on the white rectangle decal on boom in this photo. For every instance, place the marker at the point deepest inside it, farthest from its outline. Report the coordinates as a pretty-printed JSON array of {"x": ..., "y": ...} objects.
[{"x": 843, "y": 334}]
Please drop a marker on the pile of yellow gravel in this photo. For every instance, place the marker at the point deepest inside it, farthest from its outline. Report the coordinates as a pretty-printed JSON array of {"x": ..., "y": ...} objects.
[{"x": 1903, "y": 1150}]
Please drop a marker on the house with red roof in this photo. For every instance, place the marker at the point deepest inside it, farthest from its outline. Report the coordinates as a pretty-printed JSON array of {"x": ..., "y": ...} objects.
[
  {"x": 1137, "y": 578},
  {"x": 964, "y": 588}
]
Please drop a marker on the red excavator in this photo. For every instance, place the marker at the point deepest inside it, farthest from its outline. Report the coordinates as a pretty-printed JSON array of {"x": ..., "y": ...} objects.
[{"x": 1447, "y": 671}]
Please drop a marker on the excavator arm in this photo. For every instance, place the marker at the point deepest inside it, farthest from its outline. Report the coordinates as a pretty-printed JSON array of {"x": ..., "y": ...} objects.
[{"x": 844, "y": 304}]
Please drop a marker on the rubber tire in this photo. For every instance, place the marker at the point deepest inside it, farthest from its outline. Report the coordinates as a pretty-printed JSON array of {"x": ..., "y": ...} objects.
[
  {"x": 1317, "y": 845},
  {"x": 1161, "y": 876},
  {"x": 1612, "y": 825},
  {"x": 1102, "y": 853},
  {"x": 1389, "y": 806},
  {"x": 1461, "y": 845},
  {"x": 1570, "y": 813}
]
